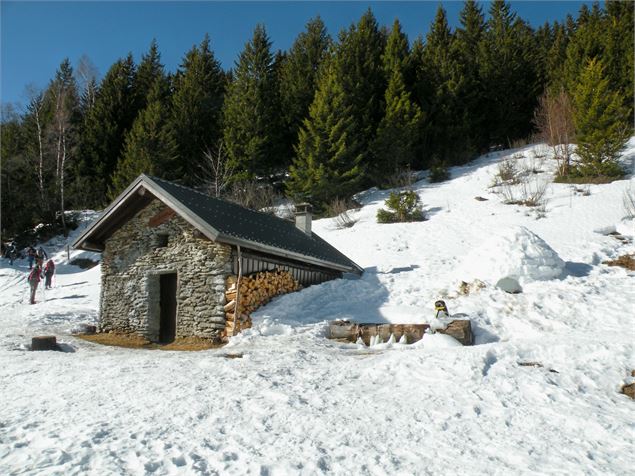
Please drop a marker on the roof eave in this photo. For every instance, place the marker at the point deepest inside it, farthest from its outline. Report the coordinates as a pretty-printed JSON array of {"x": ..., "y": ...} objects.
[{"x": 254, "y": 245}]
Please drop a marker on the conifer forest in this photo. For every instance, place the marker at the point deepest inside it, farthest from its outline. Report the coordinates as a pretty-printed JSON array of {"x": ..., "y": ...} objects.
[{"x": 334, "y": 114}]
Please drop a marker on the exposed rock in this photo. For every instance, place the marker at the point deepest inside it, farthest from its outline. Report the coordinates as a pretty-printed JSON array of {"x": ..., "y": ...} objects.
[{"x": 509, "y": 285}]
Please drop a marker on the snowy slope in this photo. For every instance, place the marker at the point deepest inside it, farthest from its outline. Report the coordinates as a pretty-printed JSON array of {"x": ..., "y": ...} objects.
[{"x": 297, "y": 403}]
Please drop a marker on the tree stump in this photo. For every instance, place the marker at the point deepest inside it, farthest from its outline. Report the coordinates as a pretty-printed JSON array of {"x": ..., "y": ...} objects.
[{"x": 44, "y": 343}]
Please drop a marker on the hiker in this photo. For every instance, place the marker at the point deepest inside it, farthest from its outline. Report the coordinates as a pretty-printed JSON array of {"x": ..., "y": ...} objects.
[
  {"x": 11, "y": 253},
  {"x": 40, "y": 256},
  {"x": 49, "y": 271},
  {"x": 30, "y": 253},
  {"x": 34, "y": 279}
]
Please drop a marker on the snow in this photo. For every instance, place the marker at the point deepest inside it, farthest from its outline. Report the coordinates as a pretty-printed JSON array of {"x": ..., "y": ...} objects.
[
  {"x": 515, "y": 253},
  {"x": 295, "y": 402}
]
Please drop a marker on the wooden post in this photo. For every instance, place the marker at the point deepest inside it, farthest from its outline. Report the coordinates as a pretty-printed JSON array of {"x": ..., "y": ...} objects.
[
  {"x": 68, "y": 254},
  {"x": 240, "y": 274}
]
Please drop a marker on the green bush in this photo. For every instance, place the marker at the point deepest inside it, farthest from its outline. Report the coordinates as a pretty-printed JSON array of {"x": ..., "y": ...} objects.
[
  {"x": 439, "y": 172},
  {"x": 402, "y": 207}
]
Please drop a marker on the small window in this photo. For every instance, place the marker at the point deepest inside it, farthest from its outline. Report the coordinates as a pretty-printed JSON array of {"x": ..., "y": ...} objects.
[{"x": 162, "y": 240}]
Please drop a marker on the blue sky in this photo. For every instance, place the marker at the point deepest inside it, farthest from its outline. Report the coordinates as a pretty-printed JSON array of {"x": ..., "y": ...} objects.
[{"x": 37, "y": 36}]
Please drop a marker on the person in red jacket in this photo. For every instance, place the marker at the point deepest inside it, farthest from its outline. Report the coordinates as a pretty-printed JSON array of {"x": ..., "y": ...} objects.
[
  {"x": 34, "y": 279},
  {"x": 49, "y": 271}
]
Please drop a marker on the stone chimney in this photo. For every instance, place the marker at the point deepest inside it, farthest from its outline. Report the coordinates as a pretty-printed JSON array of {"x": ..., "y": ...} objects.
[{"x": 303, "y": 215}]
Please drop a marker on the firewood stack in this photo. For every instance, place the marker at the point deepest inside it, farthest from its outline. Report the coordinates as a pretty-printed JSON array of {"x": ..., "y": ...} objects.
[{"x": 255, "y": 291}]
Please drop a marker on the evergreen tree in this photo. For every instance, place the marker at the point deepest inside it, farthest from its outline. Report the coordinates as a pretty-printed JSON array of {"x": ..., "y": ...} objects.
[
  {"x": 396, "y": 55},
  {"x": 468, "y": 48},
  {"x": 252, "y": 116},
  {"x": 149, "y": 71},
  {"x": 556, "y": 58},
  {"x": 103, "y": 133},
  {"x": 601, "y": 128},
  {"x": 619, "y": 51},
  {"x": 360, "y": 71},
  {"x": 446, "y": 125},
  {"x": 509, "y": 71},
  {"x": 329, "y": 151},
  {"x": 397, "y": 134},
  {"x": 196, "y": 112},
  {"x": 18, "y": 182},
  {"x": 586, "y": 43},
  {"x": 150, "y": 146},
  {"x": 299, "y": 73}
]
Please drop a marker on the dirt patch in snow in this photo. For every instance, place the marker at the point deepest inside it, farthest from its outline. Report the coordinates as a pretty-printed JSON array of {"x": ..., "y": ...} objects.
[
  {"x": 133, "y": 341},
  {"x": 624, "y": 261}
]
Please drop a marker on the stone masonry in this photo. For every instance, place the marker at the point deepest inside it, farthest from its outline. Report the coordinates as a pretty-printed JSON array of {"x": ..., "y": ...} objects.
[{"x": 134, "y": 258}]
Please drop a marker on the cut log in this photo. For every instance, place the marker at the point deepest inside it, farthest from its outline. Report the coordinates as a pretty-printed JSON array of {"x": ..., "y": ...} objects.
[
  {"x": 461, "y": 330},
  {"x": 230, "y": 305},
  {"x": 44, "y": 343}
]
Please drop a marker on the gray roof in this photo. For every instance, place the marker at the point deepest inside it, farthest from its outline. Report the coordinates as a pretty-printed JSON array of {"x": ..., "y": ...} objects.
[{"x": 219, "y": 220}]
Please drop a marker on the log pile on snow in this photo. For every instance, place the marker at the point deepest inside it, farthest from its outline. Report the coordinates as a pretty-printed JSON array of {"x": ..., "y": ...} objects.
[
  {"x": 459, "y": 329},
  {"x": 252, "y": 292}
]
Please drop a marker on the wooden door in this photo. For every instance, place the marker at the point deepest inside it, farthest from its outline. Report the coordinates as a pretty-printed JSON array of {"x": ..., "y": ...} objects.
[{"x": 167, "y": 329}]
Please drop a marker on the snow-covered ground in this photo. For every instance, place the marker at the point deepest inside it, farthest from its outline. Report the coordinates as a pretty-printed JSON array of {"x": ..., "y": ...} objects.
[{"x": 298, "y": 403}]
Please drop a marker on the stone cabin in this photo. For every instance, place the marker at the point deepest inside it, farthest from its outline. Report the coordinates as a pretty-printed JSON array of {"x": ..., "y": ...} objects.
[{"x": 169, "y": 251}]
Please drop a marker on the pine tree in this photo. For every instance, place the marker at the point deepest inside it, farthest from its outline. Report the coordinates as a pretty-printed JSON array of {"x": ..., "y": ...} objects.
[
  {"x": 150, "y": 146},
  {"x": 299, "y": 74},
  {"x": 601, "y": 128},
  {"x": 468, "y": 49},
  {"x": 149, "y": 71},
  {"x": 585, "y": 44},
  {"x": 619, "y": 52},
  {"x": 252, "y": 116},
  {"x": 329, "y": 151},
  {"x": 447, "y": 136},
  {"x": 397, "y": 134},
  {"x": 196, "y": 110},
  {"x": 556, "y": 58},
  {"x": 103, "y": 133},
  {"x": 509, "y": 71},
  {"x": 359, "y": 69}
]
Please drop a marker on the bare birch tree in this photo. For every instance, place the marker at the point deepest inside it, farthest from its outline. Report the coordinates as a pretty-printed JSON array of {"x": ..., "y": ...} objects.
[
  {"x": 216, "y": 171},
  {"x": 63, "y": 90},
  {"x": 36, "y": 105},
  {"x": 554, "y": 120}
]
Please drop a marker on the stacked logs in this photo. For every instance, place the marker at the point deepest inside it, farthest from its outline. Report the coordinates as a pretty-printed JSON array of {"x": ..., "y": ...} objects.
[{"x": 255, "y": 291}]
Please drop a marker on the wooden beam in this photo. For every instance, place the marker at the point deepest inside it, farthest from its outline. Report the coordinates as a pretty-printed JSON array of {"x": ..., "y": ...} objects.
[{"x": 161, "y": 217}]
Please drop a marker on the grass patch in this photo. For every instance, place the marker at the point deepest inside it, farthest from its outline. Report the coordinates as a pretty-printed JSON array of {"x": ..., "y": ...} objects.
[
  {"x": 133, "y": 341},
  {"x": 624, "y": 261}
]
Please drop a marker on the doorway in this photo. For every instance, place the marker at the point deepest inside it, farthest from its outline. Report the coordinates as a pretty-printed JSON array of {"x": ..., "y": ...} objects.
[{"x": 167, "y": 322}]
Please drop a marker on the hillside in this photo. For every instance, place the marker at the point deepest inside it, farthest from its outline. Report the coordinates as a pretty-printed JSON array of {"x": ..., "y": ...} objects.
[{"x": 297, "y": 403}]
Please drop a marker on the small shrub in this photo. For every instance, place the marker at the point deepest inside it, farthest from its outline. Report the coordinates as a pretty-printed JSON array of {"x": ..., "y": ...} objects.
[
  {"x": 339, "y": 209},
  {"x": 400, "y": 179},
  {"x": 439, "y": 172},
  {"x": 508, "y": 172},
  {"x": 402, "y": 207},
  {"x": 254, "y": 195}
]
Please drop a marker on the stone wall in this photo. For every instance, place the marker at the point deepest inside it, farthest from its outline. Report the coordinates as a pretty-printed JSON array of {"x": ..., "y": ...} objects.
[{"x": 132, "y": 262}]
